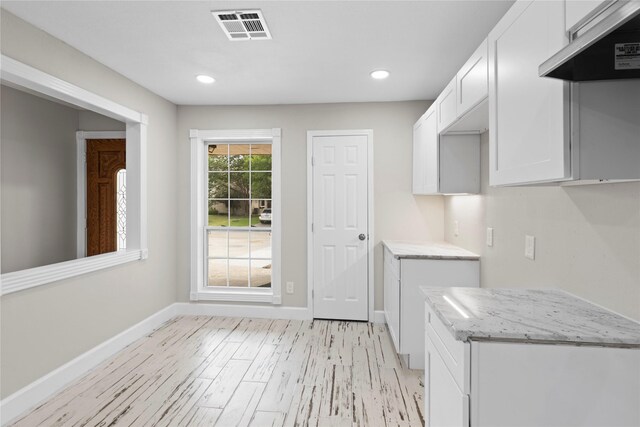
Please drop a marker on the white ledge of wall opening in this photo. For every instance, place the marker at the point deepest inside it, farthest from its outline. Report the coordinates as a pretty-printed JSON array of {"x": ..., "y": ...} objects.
[
  {"x": 200, "y": 292},
  {"x": 25, "y": 76}
]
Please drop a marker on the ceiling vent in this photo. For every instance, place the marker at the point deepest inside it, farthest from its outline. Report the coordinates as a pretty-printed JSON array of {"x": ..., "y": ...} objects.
[{"x": 243, "y": 24}]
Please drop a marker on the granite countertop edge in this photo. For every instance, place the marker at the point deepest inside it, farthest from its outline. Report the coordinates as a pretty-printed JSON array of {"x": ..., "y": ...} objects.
[
  {"x": 466, "y": 335},
  {"x": 428, "y": 250}
]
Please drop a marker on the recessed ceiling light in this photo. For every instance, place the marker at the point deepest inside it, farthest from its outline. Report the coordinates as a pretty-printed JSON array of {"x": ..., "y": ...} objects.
[
  {"x": 380, "y": 74},
  {"x": 205, "y": 79}
]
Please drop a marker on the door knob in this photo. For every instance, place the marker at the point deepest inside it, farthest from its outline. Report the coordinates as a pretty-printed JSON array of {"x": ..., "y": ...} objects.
[{"x": 362, "y": 237}]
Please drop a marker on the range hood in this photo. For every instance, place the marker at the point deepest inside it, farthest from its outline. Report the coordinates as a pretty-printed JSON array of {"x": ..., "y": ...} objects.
[{"x": 609, "y": 50}]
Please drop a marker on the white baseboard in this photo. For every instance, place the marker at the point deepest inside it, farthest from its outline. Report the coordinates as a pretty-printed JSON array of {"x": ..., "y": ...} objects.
[
  {"x": 236, "y": 310},
  {"x": 30, "y": 396},
  {"x": 378, "y": 316}
]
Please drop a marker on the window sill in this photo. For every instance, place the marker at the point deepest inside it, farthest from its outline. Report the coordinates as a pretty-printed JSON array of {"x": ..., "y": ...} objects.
[
  {"x": 38, "y": 276},
  {"x": 236, "y": 296}
]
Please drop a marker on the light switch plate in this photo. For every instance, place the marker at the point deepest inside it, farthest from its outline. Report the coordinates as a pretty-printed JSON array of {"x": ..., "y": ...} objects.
[
  {"x": 489, "y": 236},
  {"x": 530, "y": 247},
  {"x": 289, "y": 287},
  {"x": 456, "y": 228}
]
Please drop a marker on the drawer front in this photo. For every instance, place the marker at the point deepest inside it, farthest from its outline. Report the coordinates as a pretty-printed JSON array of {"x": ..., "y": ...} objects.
[{"x": 455, "y": 354}]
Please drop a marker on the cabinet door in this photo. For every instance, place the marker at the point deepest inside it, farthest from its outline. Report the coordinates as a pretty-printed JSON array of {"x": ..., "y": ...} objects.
[
  {"x": 446, "y": 105},
  {"x": 445, "y": 404},
  {"x": 472, "y": 80},
  {"x": 419, "y": 162},
  {"x": 391, "y": 299},
  {"x": 425, "y": 154},
  {"x": 528, "y": 115}
]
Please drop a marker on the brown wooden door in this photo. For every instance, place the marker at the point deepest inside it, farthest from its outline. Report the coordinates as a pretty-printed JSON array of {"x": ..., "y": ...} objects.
[{"x": 105, "y": 157}]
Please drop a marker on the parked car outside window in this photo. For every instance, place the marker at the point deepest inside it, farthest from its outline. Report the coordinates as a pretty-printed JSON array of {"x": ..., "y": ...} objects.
[{"x": 265, "y": 216}]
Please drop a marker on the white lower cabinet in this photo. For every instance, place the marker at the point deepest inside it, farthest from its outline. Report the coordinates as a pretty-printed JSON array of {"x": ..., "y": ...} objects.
[
  {"x": 485, "y": 383},
  {"x": 403, "y": 302}
]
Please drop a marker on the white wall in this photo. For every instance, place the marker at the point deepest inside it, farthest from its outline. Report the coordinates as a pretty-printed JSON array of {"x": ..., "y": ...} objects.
[
  {"x": 587, "y": 238},
  {"x": 45, "y": 327},
  {"x": 38, "y": 152},
  {"x": 398, "y": 214}
]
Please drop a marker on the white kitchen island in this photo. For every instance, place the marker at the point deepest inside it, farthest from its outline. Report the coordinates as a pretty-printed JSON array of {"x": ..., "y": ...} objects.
[{"x": 505, "y": 357}]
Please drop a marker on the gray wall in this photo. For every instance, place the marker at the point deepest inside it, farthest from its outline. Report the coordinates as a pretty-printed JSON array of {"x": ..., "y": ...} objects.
[
  {"x": 587, "y": 238},
  {"x": 45, "y": 327},
  {"x": 38, "y": 152},
  {"x": 88, "y": 120},
  {"x": 398, "y": 214}
]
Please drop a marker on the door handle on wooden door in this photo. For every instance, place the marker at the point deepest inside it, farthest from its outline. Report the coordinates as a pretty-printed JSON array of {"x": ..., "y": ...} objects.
[{"x": 362, "y": 237}]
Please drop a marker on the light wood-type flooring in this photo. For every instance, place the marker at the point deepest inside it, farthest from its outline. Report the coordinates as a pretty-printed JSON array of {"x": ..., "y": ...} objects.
[{"x": 223, "y": 371}]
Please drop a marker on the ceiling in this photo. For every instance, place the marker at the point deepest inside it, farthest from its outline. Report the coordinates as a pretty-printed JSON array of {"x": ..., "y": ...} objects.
[{"x": 321, "y": 51}]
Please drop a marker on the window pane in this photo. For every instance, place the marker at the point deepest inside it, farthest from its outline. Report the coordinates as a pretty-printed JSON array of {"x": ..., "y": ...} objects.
[
  {"x": 218, "y": 213},
  {"x": 239, "y": 244},
  {"x": 261, "y": 157},
  {"x": 260, "y": 273},
  {"x": 261, "y": 185},
  {"x": 218, "y": 160},
  {"x": 217, "y": 272},
  {"x": 218, "y": 185},
  {"x": 239, "y": 213},
  {"x": 217, "y": 243},
  {"x": 239, "y": 183},
  {"x": 260, "y": 244},
  {"x": 238, "y": 157},
  {"x": 239, "y": 272}
]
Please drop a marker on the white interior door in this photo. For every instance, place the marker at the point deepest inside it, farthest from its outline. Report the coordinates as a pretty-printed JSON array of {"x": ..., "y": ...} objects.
[{"x": 340, "y": 226}]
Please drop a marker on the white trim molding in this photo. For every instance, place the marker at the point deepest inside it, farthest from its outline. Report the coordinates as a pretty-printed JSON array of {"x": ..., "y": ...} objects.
[
  {"x": 370, "y": 226},
  {"x": 236, "y": 310},
  {"x": 198, "y": 141},
  {"x": 27, "y": 77}
]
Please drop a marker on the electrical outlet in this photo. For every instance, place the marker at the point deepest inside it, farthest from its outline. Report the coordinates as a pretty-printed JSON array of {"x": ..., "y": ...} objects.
[
  {"x": 289, "y": 287},
  {"x": 489, "y": 236},
  {"x": 456, "y": 228},
  {"x": 530, "y": 247}
]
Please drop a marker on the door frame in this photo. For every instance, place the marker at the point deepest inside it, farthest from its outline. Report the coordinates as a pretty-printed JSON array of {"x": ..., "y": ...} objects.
[
  {"x": 81, "y": 182},
  {"x": 370, "y": 229}
]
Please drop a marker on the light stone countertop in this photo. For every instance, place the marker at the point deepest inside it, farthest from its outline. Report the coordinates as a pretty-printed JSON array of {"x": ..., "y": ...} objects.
[
  {"x": 428, "y": 250},
  {"x": 529, "y": 315}
]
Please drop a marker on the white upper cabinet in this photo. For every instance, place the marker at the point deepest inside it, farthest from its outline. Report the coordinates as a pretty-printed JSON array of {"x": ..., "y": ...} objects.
[
  {"x": 577, "y": 12},
  {"x": 444, "y": 163},
  {"x": 529, "y": 138},
  {"x": 472, "y": 81},
  {"x": 425, "y": 153},
  {"x": 446, "y": 104}
]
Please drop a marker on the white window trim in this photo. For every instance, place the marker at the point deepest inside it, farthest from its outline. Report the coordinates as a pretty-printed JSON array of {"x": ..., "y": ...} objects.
[
  {"x": 27, "y": 77},
  {"x": 199, "y": 292},
  {"x": 81, "y": 183}
]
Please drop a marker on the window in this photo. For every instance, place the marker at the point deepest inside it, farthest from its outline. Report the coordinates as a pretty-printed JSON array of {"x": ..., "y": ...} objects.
[
  {"x": 121, "y": 209},
  {"x": 29, "y": 78},
  {"x": 239, "y": 224},
  {"x": 235, "y": 215}
]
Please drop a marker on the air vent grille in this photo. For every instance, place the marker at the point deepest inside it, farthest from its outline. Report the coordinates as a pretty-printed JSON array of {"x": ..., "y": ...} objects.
[{"x": 243, "y": 25}]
